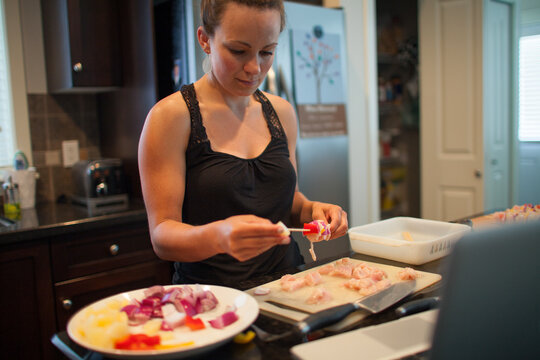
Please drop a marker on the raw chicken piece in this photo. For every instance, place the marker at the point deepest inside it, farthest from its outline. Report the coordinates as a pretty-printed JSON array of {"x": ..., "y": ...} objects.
[
  {"x": 383, "y": 284},
  {"x": 378, "y": 274},
  {"x": 312, "y": 252},
  {"x": 360, "y": 273},
  {"x": 368, "y": 291},
  {"x": 344, "y": 261},
  {"x": 318, "y": 296},
  {"x": 343, "y": 270},
  {"x": 363, "y": 270},
  {"x": 408, "y": 274},
  {"x": 358, "y": 284},
  {"x": 313, "y": 278},
  {"x": 291, "y": 283},
  {"x": 326, "y": 269},
  {"x": 374, "y": 288}
]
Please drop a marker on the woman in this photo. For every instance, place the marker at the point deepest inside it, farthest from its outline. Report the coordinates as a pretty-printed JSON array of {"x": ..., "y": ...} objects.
[{"x": 217, "y": 160}]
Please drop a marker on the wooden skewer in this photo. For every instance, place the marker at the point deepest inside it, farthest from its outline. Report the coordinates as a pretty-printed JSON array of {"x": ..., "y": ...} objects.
[{"x": 298, "y": 229}]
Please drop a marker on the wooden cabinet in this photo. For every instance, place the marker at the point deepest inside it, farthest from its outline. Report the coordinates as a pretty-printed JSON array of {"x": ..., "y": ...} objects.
[
  {"x": 45, "y": 282},
  {"x": 76, "y": 255},
  {"x": 82, "y": 45},
  {"x": 90, "y": 266},
  {"x": 74, "y": 294},
  {"x": 27, "y": 302}
]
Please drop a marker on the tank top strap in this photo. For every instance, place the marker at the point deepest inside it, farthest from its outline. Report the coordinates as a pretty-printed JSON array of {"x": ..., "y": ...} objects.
[
  {"x": 276, "y": 130},
  {"x": 198, "y": 133}
]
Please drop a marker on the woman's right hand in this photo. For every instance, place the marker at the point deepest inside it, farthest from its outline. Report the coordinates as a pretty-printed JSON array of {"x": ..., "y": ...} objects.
[{"x": 246, "y": 236}]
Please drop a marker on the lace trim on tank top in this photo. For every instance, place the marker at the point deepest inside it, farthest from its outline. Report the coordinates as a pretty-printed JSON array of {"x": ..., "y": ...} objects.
[{"x": 198, "y": 133}]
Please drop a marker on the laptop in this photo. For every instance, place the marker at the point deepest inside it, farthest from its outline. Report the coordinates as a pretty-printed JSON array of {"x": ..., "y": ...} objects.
[{"x": 490, "y": 307}]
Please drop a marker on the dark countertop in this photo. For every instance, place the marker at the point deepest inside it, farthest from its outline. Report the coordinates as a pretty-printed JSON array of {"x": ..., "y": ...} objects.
[{"x": 50, "y": 219}]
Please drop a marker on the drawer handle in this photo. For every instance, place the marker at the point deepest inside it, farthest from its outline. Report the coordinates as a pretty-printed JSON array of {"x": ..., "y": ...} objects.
[
  {"x": 77, "y": 67},
  {"x": 67, "y": 304},
  {"x": 114, "y": 249}
]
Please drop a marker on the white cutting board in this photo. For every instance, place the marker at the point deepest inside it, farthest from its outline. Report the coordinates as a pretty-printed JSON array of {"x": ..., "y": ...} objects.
[{"x": 341, "y": 295}]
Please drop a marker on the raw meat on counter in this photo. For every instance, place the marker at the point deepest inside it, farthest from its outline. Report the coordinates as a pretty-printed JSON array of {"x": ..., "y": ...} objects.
[
  {"x": 318, "y": 296},
  {"x": 292, "y": 283},
  {"x": 518, "y": 213},
  {"x": 407, "y": 274}
]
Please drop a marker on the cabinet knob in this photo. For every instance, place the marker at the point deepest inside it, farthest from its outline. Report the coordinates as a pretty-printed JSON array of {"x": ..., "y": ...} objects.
[
  {"x": 114, "y": 249},
  {"x": 67, "y": 304},
  {"x": 77, "y": 67},
  {"x": 478, "y": 174}
]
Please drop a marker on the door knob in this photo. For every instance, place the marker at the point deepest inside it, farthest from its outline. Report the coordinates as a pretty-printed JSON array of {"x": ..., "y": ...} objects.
[{"x": 477, "y": 174}]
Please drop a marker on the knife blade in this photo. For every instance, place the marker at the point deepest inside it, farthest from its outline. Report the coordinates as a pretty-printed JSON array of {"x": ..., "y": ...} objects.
[{"x": 373, "y": 304}]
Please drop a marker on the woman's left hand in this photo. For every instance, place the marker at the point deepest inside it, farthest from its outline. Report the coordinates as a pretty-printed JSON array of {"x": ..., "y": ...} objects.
[{"x": 334, "y": 215}]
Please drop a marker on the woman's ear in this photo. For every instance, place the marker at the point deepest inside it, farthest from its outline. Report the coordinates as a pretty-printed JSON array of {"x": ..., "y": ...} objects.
[{"x": 204, "y": 39}]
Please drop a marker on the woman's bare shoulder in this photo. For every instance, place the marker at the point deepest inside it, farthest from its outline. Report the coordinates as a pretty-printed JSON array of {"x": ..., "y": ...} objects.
[
  {"x": 170, "y": 107},
  {"x": 284, "y": 110},
  {"x": 167, "y": 125}
]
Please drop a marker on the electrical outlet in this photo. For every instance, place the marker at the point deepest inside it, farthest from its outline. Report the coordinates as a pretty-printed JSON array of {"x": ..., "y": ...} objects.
[{"x": 70, "y": 152}]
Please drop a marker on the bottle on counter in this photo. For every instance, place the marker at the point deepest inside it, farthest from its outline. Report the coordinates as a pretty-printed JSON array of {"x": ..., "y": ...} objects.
[{"x": 12, "y": 201}]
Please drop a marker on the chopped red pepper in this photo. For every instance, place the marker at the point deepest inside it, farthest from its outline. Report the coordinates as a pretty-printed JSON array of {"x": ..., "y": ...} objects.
[
  {"x": 194, "y": 324},
  {"x": 313, "y": 228},
  {"x": 137, "y": 342}
]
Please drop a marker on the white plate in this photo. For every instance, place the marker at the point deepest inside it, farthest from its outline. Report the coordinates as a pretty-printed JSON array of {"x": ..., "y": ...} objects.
[{"x": 204, "y": 340}]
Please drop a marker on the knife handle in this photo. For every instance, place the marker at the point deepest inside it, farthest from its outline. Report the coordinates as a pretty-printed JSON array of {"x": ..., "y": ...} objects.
[
  {"x": 324, "y": 318},
  {"x": 416, "y": 306}
]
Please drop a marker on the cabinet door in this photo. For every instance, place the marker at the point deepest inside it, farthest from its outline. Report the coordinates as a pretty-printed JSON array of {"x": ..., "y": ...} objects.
[
  {"x": 28, "y": 319},
  {"x": 81, "y": 254},
  {"x": 82, "y": 44},
  {"x": 72, "y": 295}
]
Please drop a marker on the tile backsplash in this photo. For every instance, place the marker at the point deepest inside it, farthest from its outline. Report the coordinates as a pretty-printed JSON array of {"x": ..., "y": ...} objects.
[{"x": 53, "y": 119}]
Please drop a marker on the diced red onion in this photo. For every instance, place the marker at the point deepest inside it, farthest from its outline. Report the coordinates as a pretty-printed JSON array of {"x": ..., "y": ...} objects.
[
  {"x": 154, "y": 291},
  {"x": 189, "y": 309},
  {"x": 223, "y": 320}
]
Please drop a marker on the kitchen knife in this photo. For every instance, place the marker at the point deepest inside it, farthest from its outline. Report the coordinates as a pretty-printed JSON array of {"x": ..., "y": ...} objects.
[
  {"x": 374, "y": 304},
  {"x": 416, "y": 306}
]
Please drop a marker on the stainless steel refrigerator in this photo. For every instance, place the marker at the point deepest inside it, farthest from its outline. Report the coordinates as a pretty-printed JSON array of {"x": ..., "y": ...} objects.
[{"x": 322, "y": 153}]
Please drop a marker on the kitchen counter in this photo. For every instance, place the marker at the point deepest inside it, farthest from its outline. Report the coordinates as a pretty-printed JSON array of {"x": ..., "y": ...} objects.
[
  {"x": 280, "y": 349},
  {"x": 50, "y": 219}
]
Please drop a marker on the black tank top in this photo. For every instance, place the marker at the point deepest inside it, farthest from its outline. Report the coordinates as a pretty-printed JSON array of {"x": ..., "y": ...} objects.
[{"x": 220, "y": 185}]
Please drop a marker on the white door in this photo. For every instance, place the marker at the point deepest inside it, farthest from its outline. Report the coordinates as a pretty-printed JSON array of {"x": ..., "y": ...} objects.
[{"x": 452, "y": 159}]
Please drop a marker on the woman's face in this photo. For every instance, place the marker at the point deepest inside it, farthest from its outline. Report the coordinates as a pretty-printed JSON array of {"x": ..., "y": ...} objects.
[{"x": 243, "y": 46}]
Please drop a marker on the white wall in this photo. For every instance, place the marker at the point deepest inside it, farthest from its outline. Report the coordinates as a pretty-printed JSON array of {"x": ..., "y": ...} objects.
[
  {"x": 17, "y": 79},
  {"x": 362, "y": 110}
]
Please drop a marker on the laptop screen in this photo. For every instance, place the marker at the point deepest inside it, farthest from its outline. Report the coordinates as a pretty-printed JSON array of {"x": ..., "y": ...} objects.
[{"x": 490, "y": 305}]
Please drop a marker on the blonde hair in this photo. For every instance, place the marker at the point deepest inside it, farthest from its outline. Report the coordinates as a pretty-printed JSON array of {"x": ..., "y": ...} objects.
[{"x": 212, "y": 11}]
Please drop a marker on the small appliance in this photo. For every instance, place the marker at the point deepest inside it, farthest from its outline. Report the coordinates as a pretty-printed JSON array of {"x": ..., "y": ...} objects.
[{"x": 100, "y": 186}]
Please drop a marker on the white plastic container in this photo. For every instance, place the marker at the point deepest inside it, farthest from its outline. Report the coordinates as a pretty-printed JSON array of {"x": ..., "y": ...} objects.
[
  {"x": 26, "y": 179},
  {"x": 387, "y": 239}
]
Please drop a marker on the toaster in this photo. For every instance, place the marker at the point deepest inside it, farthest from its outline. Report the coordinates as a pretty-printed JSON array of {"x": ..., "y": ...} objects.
[{"x": 100, "y": 185}]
